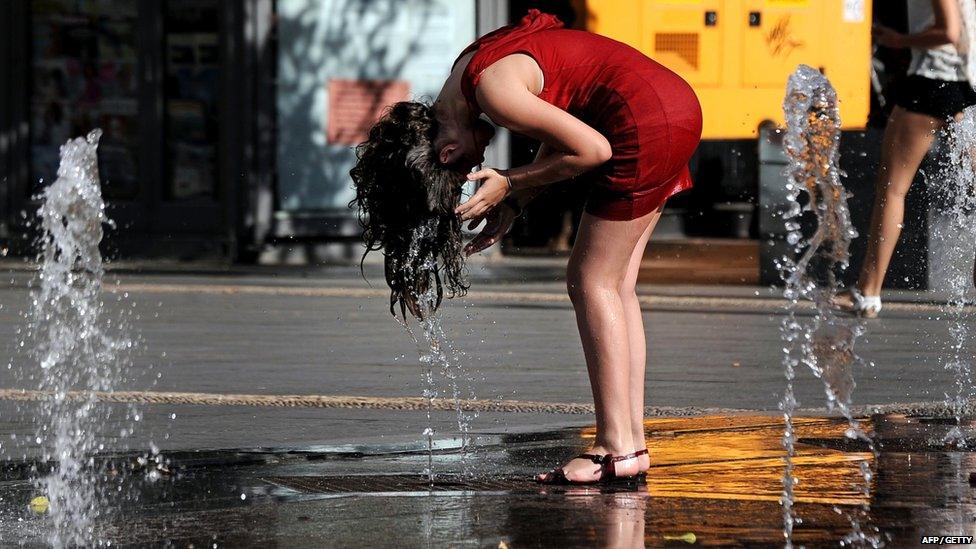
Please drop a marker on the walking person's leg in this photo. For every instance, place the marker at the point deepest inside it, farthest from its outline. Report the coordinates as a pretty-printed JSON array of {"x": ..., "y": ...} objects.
[
  {"x": 596, "y": 271},
  {"x": 907, "y": 139}
]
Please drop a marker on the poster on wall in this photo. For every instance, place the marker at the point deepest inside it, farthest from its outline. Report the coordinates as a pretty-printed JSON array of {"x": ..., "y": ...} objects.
[{"x": 354, "y": 105}]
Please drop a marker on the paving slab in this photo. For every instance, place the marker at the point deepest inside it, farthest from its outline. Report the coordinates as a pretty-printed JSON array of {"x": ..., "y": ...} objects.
[
  {"x": 713, "y": 477},
  {"x": 321, "y": 336},
  {"x": 269, "y": 338}
]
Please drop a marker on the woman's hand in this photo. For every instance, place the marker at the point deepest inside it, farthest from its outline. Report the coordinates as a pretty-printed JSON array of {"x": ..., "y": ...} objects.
[
  {"x": 888, "y": 38},
  {"x": 947, "y": 29},
  {"x": 500, "y": 221},
  {"x": 492, "y": 191}
]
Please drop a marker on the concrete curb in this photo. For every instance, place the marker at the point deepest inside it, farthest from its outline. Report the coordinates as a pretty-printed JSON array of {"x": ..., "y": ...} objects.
[
  {"x": 936, "y": 409},
  {"x": 690, "y": 302}
]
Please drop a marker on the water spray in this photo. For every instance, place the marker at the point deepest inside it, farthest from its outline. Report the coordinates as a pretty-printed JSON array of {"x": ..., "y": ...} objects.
[{"x": 823, "y": 343}]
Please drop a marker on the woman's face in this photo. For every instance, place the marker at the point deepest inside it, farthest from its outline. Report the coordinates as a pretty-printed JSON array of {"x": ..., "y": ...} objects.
[{"x": 462, "y": 147}]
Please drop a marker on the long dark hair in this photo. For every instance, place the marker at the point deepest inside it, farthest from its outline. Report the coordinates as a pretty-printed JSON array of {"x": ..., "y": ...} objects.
[{"x": 406, "y": 202}]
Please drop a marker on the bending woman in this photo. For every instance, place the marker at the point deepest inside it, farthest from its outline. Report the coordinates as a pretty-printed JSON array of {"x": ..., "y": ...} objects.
[
  {"x": 936, "y": 90},
  {"x": 602, "y": 111}
]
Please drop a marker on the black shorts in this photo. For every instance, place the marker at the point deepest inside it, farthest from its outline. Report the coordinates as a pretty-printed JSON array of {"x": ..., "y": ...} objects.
[{"x": 937, "y": 98}]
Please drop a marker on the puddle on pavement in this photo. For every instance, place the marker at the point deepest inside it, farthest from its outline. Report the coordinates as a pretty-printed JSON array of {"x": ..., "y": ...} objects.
[{"x": 717, "y": 478}]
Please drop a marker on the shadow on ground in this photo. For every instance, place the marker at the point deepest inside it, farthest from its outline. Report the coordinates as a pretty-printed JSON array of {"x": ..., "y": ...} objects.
[{"x": 714, "y": 481}]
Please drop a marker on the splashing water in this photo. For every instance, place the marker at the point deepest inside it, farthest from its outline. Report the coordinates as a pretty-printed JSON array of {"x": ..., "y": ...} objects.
[
  {"x": 437, "y": 350},
  {"x": 823, "y": 343},
  {"x": 956, "y": 237},
  {"x": 75, "y": 347}
]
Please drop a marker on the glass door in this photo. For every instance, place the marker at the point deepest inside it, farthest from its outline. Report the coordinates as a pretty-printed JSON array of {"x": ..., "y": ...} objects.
[
  {"x": 148, "y": 73},
  {"x": 190, "y": 193},
  {"x": 84, "y": 74}
]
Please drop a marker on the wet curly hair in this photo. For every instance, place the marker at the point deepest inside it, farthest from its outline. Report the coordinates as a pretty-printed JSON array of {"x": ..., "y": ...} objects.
[{"x": 406, "y": 201}]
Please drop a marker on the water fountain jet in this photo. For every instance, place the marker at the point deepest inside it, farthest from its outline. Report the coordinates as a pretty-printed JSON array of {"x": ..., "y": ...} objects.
[
  {"x": 436, "y": 348},
  {"x": 823, "y": 343},
  {"x": 76, "y": 348},
  {"x": 956, "y": 237}
]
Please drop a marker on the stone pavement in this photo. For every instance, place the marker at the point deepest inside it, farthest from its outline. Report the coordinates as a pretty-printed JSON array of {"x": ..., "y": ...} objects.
[
  {"x": 285, "y": 404},
  {"x": 327, "y": 332},
  {"x": 714, "y": 481}
]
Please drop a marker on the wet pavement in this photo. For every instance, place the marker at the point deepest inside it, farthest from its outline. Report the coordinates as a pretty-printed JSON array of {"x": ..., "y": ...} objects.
[
  {"x": 717, "y": 348},
  {"x": 351, "y": 475},
  {"x": 714, "y": 481}
]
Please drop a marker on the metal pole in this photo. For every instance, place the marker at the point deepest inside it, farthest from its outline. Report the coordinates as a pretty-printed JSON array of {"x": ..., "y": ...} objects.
[{"x": 491, "y": 14}]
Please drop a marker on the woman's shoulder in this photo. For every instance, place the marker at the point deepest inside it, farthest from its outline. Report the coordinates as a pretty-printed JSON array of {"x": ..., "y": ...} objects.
[{"x": 510, "y": 35}]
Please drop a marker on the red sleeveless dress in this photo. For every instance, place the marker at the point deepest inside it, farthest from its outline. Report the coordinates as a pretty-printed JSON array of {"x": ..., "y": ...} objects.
[{"x": 650, "y": 116}]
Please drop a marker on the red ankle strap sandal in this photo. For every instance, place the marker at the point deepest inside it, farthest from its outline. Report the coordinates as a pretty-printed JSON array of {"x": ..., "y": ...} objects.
[{"x": 608, "y": 471}]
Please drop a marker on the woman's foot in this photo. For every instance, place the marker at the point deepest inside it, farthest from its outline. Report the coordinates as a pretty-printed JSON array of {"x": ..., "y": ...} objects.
[
  {"x": 643, "y": 460},
  {"x": 592, "y": 469},
  {"x": 853, "y": 302}
]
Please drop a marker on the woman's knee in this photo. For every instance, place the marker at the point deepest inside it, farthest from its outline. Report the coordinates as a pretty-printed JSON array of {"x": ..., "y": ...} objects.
[
  {"x": 582, "y": 286},
  {"x": 890, "y": 188},
  {"x": 576, "y": 285},
  {"x": 572, "y": 288},
  {"x": 628, "y": 293},
  {"x": 892, "y": 192}
]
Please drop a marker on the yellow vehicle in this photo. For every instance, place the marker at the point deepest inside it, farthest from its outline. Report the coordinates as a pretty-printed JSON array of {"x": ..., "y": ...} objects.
[{"x": 737, "y": 54}]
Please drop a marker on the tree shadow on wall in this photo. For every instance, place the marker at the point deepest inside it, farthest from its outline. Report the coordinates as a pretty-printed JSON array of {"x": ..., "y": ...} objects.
[{"x": 328, "y": 44}]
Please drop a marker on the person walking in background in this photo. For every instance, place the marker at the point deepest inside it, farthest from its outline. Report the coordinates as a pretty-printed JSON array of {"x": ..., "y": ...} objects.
[{"x": 938, "y": 87}]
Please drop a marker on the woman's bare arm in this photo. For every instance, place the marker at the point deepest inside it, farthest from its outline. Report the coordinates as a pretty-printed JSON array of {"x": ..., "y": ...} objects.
[
  {"x": 946, "y": 30},
  {"x": 574, "y": 146},
  {"x": 524, "y": 196},
  {"x": 500, "y": 220}
]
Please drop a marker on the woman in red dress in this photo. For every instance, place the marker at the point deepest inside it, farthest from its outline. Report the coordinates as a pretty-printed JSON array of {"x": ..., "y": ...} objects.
[{"x": 602, "y": 111}]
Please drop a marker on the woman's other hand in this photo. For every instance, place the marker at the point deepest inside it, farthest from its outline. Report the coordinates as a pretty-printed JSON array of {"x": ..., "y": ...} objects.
[
  {"x": 883, "y": 36},
  {"x": 500, "y": 221},
  {"x": 494, "y": 188}
]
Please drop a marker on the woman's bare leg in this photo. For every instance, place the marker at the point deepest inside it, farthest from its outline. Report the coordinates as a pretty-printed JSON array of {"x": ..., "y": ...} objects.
[
  {"x": 597, "y": 268},
  {"x": 637, "y": 342},
  {"x": 907, "y": 140}
]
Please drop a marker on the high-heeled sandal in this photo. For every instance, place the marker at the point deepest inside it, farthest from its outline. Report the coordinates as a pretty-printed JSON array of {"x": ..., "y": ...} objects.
[
  {"x": 639, "y": 453},
  {"x": 608, "y": 471},
  {"x": 860, "y": 305}
]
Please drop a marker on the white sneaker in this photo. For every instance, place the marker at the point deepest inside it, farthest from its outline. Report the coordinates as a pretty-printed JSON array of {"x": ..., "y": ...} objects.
[{"x": 861, "y": 305}]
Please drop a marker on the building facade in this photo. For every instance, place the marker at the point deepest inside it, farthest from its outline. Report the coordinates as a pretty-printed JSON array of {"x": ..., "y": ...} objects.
[
  {"x": 182, "y": 92},
  {"x": 227, "y": 125}
]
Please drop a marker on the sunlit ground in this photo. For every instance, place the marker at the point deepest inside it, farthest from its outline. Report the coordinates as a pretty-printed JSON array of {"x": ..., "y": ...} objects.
[{"x": 714, "y": 480}]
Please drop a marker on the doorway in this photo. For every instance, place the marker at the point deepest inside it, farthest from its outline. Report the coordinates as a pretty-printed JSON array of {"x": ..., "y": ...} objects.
[{"x": 153, "y": 76}]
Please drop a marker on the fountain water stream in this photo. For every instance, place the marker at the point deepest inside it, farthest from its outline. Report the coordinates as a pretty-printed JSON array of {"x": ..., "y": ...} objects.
[
  {"x": 957, "y": 237},
  {"x": 823, "y": 343},
  {"x": 77, "y": 348},
  {"x": 437, "y": 352}
]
